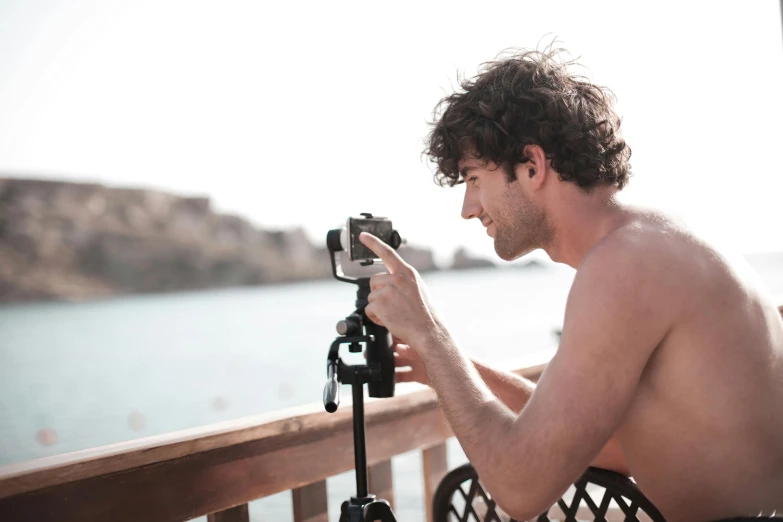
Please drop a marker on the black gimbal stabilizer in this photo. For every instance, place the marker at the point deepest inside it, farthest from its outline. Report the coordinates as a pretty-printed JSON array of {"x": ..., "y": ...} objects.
[{"x": 378, "y": 373}]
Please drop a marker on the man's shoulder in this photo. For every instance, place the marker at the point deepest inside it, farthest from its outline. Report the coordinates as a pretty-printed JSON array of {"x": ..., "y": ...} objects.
[
  {"x": 624, "y": 292},
  {"x": 655, "y": 260},
  {"x": 659, "y": 247},
  {"x": 641, "y": 248}
]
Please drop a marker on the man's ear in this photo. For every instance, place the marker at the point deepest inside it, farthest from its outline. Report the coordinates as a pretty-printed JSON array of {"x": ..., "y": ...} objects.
[{"x": 534, "y": 171}]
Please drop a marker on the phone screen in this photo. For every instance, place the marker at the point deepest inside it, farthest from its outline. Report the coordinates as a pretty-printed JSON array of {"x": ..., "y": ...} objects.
[{"x": 379, "y": 227}]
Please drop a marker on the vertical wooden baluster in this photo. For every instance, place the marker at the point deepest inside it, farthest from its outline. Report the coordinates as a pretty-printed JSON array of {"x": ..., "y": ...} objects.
[
  {"x": 310, "y": 503},
  {"x": 379, "y": 481},
  {"x": 234, "y": 514},
  {"x": 435, "y": 468}
]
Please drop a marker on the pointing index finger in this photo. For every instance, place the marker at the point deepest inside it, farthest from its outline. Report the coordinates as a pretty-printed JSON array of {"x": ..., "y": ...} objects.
[{"x": 390, "y": 258}]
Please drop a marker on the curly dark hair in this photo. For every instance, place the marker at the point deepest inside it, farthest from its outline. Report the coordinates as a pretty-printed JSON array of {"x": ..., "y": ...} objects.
[{"x": 530, "y": 98}]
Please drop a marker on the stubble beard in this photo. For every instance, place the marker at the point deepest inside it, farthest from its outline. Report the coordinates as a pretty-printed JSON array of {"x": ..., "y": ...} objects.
[{"x": 523, "y": 227}]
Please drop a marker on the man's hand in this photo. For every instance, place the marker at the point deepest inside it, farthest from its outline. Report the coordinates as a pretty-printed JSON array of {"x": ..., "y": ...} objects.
[
  {"x": 408, "y": 366},
  {"x": 398, "y": 300}
]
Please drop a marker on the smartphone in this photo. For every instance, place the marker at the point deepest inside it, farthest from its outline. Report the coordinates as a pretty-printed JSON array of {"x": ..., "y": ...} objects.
[{"x": 380, "y": 227}]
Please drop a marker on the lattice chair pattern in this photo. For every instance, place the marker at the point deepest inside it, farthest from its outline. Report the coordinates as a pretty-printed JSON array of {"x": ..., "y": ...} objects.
[{"x": 599, "y": 495}]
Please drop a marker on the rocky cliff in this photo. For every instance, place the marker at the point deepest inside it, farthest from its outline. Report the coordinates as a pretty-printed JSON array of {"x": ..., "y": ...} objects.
[
  {"x": 464, "y": 260},
  {"x": 62, "y": 240}
]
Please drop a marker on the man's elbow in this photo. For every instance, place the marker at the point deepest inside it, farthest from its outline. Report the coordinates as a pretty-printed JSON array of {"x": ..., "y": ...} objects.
[
  {"x": 611, "y": 457},
  {"x": 519, "y": 510},
  {"x": 524, "y": 501},
  {"x": 521, "y": 513}
]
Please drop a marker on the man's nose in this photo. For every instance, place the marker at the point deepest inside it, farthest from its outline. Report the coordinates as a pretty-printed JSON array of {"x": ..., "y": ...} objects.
[{"x": 471, "y": 207}]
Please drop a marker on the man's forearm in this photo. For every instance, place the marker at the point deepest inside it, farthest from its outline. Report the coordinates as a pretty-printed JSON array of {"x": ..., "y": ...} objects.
[
  {"x": 479, "y": 419},
  {"x": 515, "y": 391}
]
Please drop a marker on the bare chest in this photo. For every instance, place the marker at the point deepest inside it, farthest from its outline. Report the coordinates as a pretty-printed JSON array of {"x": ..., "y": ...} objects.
[{"x": 703, "y": 423}]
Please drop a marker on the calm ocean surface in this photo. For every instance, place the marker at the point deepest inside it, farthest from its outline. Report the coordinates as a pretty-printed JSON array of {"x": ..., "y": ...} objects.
[{"x": 108, "y": 371}]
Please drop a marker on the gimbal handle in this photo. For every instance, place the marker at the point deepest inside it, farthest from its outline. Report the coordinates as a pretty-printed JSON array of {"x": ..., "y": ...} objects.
[{"x": 331, "y": 388}]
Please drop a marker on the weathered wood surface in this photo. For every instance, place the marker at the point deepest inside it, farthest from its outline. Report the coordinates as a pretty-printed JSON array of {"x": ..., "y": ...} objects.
[
  {"x": 207, "y": 481},
  {"x": 435, "y": 466},
  {"x": 182, "y": 475},
  {"x": 310, "y": 504},
  {"x": 380, "y": 482},
  {"x": 235, "y": 514}
]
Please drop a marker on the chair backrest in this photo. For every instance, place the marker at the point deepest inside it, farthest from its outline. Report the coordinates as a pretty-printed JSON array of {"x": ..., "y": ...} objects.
[{"x": 598, "y": 495}]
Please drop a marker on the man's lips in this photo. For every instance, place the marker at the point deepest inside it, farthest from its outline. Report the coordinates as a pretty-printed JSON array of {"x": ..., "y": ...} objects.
[{"x": 488, "y": 223}]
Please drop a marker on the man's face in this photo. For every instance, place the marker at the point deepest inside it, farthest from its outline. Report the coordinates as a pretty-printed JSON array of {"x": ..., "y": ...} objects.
[{"x": 518, "y": 224}]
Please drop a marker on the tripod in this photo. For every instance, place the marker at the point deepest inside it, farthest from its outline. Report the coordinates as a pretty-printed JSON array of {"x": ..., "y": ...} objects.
[{"x": 377, "y": 373}]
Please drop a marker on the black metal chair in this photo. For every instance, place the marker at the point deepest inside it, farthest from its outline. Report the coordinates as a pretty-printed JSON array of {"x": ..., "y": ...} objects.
[{"x": 599, "y": 495}]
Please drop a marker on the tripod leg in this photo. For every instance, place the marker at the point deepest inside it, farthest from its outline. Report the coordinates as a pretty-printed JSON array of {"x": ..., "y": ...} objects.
[
  {"x": 344, "y": 512},
  {"x": 350, "y": 512},
  {"x": 378, "y": 510}
]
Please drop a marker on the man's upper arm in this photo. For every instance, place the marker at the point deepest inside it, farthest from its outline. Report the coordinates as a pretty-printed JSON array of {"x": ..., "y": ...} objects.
[{"x": 615, "y": 318}]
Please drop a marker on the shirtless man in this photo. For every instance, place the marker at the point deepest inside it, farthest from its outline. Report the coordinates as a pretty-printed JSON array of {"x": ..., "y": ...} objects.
[{"x": 670, "y": 366}]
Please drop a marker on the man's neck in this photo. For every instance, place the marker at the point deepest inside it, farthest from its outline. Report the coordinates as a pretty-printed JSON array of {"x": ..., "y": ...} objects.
[{"x": 580, "y": 220}]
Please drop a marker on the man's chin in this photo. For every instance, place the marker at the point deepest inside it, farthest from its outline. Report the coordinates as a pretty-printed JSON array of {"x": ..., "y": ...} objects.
[
  {"x": 508, "y": 253},
  {"x": 505, "y": 253}
]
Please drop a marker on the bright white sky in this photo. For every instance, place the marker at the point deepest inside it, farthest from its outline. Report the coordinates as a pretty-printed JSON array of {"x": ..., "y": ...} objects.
[{"x": 293, "y": 113}]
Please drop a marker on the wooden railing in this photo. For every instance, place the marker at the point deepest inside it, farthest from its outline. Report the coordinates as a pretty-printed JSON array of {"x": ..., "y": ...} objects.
[{"x": 216, "y": 470}]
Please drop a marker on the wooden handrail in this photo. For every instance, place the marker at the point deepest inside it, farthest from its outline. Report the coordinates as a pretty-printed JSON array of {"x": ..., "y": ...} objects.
[
  {"x": 218, "y": 469},
  {"x": 210, "y": 469}
]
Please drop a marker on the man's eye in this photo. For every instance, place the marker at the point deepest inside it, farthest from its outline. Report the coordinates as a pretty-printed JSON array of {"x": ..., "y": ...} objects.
[{"x": 472, "y": 180}]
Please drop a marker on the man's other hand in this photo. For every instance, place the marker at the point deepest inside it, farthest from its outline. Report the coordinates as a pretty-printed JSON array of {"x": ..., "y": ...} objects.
[{"x": 408, "y": 364}]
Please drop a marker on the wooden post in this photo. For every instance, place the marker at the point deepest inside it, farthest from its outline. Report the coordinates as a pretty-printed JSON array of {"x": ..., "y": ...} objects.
[
  {"x": 379, "y": 478},
  {"x": 310, "y": 503},
  {"x": 435, "y": 468},
  {"x": 235, "y": 514}
]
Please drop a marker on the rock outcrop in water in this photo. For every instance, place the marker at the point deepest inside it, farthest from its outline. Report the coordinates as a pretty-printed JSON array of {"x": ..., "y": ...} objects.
[
  {"x": 61, "y": 240},
  {"x": 464, "y": 260}
]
